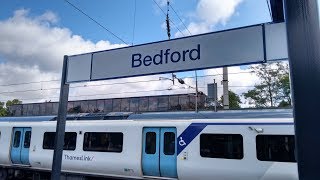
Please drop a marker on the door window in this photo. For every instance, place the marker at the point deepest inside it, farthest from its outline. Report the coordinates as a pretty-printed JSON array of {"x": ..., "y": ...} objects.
[
  {"x": 169, "y": 143},
  {"x": 27, "y": 138},
  {"x": 151, "y": 143},
  {"x": 16, "y": 142}
]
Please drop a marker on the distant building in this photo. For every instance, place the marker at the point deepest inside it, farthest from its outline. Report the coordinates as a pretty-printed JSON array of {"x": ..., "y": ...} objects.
[{"x": 163, "y": 103}]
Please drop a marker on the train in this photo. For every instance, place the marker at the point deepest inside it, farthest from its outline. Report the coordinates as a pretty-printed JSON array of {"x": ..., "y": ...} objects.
[{"x": 226, "y": 145}]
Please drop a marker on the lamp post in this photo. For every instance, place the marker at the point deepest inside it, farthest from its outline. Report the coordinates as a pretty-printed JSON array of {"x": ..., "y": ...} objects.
[{"x": 196, "y": 109}]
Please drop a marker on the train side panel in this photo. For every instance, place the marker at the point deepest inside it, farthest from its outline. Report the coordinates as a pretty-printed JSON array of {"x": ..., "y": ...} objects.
[
  {"x": 5, "y": 143},
  {"x": 191, "y": 165},
  {"x": 124, "y": 164}
]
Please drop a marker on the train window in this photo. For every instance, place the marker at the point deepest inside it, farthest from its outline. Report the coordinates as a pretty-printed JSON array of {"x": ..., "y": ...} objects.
[
  {"x": 103, "y": 142},
  {"x": 16, "y": 142},
  {"x": 227, "y": 146},
  {"x": 280, "y": 148},
  {"x": 27, "y": 138},
  {"x": 70, "y": 139},
  {"x": 151, "y": 139},
  {"x": 169, "y": 143}
]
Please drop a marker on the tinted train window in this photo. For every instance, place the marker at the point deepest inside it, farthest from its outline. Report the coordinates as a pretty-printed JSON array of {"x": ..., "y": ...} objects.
[
  {"x": 151, "y": 143},
  {"x": 70, "y": 139},
  {"x": 169, "y": 143},
  {"x": 27, "y": 138},
  {"x": 227, "y": 146},
  {"x": 16, "y": 142},
  {"x": 275, "y": 148},
  {"x": 103, "y": 142}
]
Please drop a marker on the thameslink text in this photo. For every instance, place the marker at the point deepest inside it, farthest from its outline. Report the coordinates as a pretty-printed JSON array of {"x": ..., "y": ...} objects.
[
  {"x": 164, "y": 57},
  {"x": 78, "y": 158}
]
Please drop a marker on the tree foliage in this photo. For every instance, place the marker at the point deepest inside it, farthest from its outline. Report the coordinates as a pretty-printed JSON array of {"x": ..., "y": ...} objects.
[
  {"x": 234, "y": 100},
  {"x": 4, "y": 107},
  {"x": 274, "y": 87}
]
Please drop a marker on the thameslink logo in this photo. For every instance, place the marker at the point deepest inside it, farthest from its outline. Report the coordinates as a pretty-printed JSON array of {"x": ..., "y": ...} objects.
[
  {"x": 165, "y": 57},
  {"x": 78, "y": 158}
]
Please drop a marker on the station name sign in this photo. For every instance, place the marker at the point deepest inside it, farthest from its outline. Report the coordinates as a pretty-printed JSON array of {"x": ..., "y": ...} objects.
[
  {"x": 239, "y": 46},
  {"x": 165, "y": 57}
]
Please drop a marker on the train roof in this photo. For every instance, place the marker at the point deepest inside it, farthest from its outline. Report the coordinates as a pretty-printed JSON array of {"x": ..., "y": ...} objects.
[{"x": 233, "y": 114}]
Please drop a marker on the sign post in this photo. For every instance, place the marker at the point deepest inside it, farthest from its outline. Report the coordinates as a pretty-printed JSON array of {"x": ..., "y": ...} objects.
[{"x": 61, "y": 123}]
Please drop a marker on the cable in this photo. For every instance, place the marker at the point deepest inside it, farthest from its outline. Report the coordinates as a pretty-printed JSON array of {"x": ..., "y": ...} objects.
[
  {"x": 95, "y": 21},
  {"x": 107, "y": 84},
  {"x": 131, "y": 92},
  {"x": 269, "y": 10},
  {"x": 215, "y": 75},
  {"x": 34, "y": 82},
  {"x": 180, "y": 19},
  {"x": 134, "y": 20},
  {"x": 169, "y": 19},
  {"x": 94, "y": 85}
]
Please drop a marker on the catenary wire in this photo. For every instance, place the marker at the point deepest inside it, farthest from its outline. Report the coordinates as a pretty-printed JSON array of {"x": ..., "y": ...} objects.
[
  {"x": 180, "y": 19},
  {"x": 106, "y": 84},
  {"x": 134, "y": 21},
  {"x": 270, "y": 13},
  {"x": 102, "y": 26}
]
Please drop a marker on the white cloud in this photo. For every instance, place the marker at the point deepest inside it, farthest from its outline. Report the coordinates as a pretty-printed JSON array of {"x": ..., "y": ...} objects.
[
  {"x": 162, "y": 3},
  {"x": 209, "y": 13},
  {"x": 194, "y": 28},
  {"x": 32, "y": 50},
  {"x": 216, "y": 11},
  {"x": 37, "y": 42}
]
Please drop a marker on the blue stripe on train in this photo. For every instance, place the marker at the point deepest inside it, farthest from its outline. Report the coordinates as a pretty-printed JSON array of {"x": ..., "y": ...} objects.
[{"x": 194, "y": 129}]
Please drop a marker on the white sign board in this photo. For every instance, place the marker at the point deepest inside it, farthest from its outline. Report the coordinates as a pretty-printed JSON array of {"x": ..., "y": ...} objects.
[{"x": 225, "y": 48}]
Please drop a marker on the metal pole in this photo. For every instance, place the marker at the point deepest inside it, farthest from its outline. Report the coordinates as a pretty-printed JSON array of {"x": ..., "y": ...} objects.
[
  {"x": 303, "y": 34},
  {"x": 196, "y": 91},
  {"x": 61, "y": 123},
  {"x": 225, "y": 88},
  {"x": 215, "y": 96}
]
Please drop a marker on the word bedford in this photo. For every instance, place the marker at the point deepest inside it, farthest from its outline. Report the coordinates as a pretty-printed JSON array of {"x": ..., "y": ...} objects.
[{"x": 165, "y": 57}]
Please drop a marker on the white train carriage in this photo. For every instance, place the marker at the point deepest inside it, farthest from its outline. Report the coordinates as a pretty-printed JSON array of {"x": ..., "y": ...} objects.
[{"x": 186, "y": 146}]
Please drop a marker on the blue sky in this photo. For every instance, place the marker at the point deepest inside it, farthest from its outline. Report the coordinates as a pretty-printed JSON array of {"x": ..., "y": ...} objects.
[
  {"x": 118, "y": 17},
  {"x": 35, "y": 34}
]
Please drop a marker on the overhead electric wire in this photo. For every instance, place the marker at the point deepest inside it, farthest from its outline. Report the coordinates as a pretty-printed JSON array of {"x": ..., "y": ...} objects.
[
  {"x": 270, "y": 13},
  {"x": 169, "y": 19},
  {"x": 130, "y": 92},
  {"x": 107, "y": 84},
  {"x": 25, "y": 83},
  {"x": 134, "y": 21},
  {"x": 102, "y": 26},
  {"x": 180, "y": 19}
]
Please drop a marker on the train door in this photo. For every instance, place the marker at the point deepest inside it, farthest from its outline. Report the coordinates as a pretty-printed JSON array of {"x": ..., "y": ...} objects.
[
  {"x": 159, "y": 156},
  {"x": 20, "y": 146}
]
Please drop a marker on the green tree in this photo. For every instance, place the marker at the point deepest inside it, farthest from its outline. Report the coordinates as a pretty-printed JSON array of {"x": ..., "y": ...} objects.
[
  {"x": 14, "y": 101},
  {"x": 4, "y": 107},
  {"x": 3, "y": 110},
  {"x": 274, "y": 87},
  {"x": 234, "y": 100}
]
